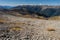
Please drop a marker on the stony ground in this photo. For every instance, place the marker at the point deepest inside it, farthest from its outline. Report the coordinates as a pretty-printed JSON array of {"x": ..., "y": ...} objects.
[{"x": 20, "y": 28}]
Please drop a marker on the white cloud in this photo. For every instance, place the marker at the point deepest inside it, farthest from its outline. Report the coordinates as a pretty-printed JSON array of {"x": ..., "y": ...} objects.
[{"x": 18, "y": 4}]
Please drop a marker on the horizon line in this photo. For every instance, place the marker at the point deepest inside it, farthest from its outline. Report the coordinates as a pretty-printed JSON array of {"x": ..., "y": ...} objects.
[{"x": 26, "y": 4}]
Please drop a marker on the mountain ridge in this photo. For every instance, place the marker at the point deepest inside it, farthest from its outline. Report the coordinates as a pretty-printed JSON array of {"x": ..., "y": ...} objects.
[{"x": 39, "y": 10}]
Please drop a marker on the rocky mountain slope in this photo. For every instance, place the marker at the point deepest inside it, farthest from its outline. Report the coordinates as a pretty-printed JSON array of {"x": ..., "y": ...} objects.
[
  {"x": 30, "y": 23},
  {"x": 39, "y": 10},
  {"x": 20, "y": 28},
  {"x": 45, "y": 11}
]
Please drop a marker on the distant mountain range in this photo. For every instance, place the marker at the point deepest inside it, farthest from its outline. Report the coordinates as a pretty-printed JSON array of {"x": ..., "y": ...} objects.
[
  {"x": 6, "y": 7},
  {"x": 42, "y": 10}
]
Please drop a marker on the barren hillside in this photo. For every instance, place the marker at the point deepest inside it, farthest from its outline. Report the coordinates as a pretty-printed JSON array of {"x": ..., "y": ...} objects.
[{"x": 20, "y": 28}]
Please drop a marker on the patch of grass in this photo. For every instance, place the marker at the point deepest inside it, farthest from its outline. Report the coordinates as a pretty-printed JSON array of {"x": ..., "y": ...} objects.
[
  {"x": 40, "y": 17},
  {"x": 51, "y": 29},
  {"x": 2, "y": 21},
  {"x": 16, "y": 28},
  {"x": 54, "y": 18}
]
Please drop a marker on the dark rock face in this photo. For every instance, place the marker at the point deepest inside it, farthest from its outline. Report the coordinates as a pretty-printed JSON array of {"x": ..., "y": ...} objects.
[
  {"x": 57, "y": 13},
  {"x": 48, "y": 12}
]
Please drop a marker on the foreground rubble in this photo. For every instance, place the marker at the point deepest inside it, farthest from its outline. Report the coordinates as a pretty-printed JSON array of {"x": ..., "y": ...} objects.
[{"x": 20, "y": 28}]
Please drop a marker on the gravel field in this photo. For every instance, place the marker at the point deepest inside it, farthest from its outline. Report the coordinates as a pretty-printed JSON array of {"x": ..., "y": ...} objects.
[{"x": 20, "y": 28}]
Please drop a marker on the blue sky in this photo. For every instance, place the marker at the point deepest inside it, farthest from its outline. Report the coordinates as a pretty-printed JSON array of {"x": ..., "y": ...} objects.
[{"x": 36, "y": 2}]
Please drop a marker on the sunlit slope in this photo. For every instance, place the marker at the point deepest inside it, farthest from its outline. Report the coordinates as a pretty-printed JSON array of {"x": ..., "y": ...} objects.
[{"x": 36, "y": 29}]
